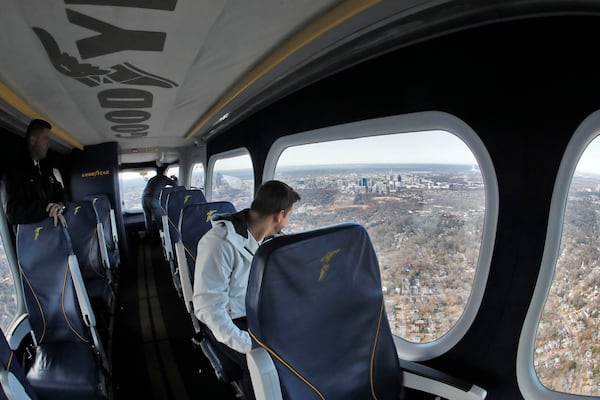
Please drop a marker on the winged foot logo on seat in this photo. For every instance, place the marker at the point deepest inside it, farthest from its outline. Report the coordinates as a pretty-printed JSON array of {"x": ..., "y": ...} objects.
[
  {"x": 37, "y": 232},
  {"x": 326, "y": 263},
  {"x": 210, "y": 214}
]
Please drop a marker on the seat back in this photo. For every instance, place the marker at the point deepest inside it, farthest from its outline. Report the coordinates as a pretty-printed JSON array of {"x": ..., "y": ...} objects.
[
  {"x": 69, "y": 360},
  {"x": 175, "y": 199},
  {"x": 82, "y": 223},
  {"x": 194, "y": 221},
  {"x": 88, "y": 242},
  {"x": 315, "y": 304},
  {"x": 164, "y": 225},
  {"x": 12, "y": 378},
  {"x": 43, "y": 254},
  {"x": 175, "y": 202},
  {"x": 164, "y": 195},
  {"x": 105, "y": 212}
]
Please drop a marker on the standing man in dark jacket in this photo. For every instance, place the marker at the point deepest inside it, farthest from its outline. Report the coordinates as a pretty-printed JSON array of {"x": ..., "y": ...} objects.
[
  {"x": 32, "y": 191},
  {"x": 150, "y": 198}
]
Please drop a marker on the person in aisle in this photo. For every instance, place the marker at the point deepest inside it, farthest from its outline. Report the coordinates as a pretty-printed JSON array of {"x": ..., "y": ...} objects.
[{"x": 150, "y": 199}]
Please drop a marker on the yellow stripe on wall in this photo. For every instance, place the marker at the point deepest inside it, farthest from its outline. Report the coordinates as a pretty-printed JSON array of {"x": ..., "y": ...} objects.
[
  {"x": 336, "y": 16},
  {"x": 23, "y": 107}
]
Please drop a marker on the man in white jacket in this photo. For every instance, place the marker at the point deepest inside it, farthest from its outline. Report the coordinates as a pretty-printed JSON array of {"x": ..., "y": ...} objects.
[{"x": 223, "y": 264}]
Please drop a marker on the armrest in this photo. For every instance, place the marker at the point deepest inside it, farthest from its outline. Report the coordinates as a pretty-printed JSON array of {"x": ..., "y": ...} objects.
[
  {"x": 19, "y": 330},
  {"x": 265, "y": 379},
  {"x": 103, "y": 249},
  {"x": 86, "y": 308},
  {"x": 429, "y": 380},
  {"x": 113, "y": 227},
  {"x": 12, "y": 388},
  {"x": 184, "y": 276},
  {"x": 167, "y": 238}
]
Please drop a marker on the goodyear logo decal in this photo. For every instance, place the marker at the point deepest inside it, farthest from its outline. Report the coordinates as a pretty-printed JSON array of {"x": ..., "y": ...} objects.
[
  {"x": 76, "y": 210},
  {"x": 97, "y": 172},
  {"x": 326, "y": 263},
  {"x": 98, "y": 57},
  {"x": 210, "y": 214},
  {"x": 37, "y": 232},
  {"x": 186, "y": 198}
]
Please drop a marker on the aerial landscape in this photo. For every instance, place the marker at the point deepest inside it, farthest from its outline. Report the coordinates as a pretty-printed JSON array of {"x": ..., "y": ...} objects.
[{"x": 425, "y": 222}]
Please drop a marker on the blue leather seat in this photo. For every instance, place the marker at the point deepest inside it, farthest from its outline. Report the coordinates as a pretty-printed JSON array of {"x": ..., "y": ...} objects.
[
  {"x": 69, "y": 361},
  {"x": 164, "y": 195},
  {"x": 163, "y": 224},
  {"x": 316, "y": 315},
  {"x": 106, "y": 215},
  {"x": 175, "y": 203},
  {"x": 194, "y": 222},
  {"x": 176, "y": 200},
  {"x": 87, "y": 239},
  {"x": 12, "y": 378},
  {"x": 315, "y": 305}
]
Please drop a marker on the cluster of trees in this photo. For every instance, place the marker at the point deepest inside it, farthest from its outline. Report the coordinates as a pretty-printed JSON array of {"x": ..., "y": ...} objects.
[
  {"x": 427, "y": 242},
  {"x": 567, "y": 355},
  {"x": 8, "y": 303}
]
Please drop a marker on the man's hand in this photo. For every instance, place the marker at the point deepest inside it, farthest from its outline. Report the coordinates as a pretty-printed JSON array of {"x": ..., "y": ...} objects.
[{"x": 55, "y": 210}]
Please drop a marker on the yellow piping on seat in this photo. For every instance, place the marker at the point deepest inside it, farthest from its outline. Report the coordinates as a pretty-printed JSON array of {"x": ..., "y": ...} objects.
[
  {"x": 303, "y": 379},
  {"x": 41, "y": 339}
]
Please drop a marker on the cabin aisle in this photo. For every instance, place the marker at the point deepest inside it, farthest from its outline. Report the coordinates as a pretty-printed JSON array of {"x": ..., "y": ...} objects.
[{"x": 153, "y": 357}]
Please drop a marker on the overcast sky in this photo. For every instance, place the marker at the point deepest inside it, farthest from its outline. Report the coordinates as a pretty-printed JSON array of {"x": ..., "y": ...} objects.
[
  {"x": 590, "y": 159},
  {"x": 419, "y": 147}
]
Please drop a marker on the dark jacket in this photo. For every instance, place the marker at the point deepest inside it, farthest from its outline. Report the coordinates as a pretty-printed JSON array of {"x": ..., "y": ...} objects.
[
  {"x": 28, "y": 193},
  {"x": 156, "y": 184}
]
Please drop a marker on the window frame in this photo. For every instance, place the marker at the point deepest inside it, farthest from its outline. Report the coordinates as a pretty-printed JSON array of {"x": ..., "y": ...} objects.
[
  {"x": 11, "y": 257},
  {"x": 137, "y": 170},
  {"x": 172, "y": 166},
  {"x": 208, "y": 177},
  {"x": 409, "y": 123},
  {"x": 529, "y": 383},
  {"x": 191, "y": 173}
]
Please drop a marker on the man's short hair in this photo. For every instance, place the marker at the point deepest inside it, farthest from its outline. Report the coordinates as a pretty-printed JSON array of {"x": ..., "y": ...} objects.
[
  {"x": 272, "y": 197},
  {"x": 160, "y": 170},
  {"x": 35, "y": 126}
]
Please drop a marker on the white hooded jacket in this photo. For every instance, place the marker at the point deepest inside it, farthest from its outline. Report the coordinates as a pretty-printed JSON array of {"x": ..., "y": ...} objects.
[{"x": 221, "y": 278}]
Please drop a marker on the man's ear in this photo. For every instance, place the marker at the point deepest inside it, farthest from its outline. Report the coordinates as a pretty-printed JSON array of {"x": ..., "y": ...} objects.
[{"x": 279, "y": 216}]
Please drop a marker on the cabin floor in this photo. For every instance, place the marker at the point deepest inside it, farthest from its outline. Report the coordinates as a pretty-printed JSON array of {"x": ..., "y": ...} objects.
[{"x": 152, "y": 353}]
